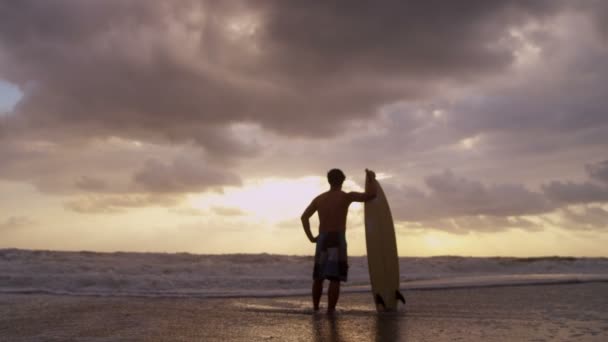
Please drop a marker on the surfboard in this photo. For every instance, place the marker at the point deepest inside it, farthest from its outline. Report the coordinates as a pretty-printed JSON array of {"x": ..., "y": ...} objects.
[{"x": 382, "y": 257}]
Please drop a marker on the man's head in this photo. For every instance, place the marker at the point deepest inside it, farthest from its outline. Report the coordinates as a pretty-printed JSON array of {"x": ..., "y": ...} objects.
[{"x": 335, "y": 177}]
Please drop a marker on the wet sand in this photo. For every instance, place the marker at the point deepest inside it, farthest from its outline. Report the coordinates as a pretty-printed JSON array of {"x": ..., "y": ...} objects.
[{"x": 521, "y": 313}]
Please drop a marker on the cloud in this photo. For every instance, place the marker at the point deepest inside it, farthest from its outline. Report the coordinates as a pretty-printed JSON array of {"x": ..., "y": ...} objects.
[
  {"x": 155, "y": 184},
  {"x": 228, "y": 211},
  {"x": 460, "y": 205},
  {"x": 598, "y": 171},
  {"x": 14, "y": 222},
  {"x": 599, "y": 13},
  {"x": 192, "y": 71},
  {"x": 481, "y": 223},
  {"x": 189, "y": 211},
  {"x": 453, "y": 196},
  {"x": 159, "y": 71},
  {"x": 219, "y": 211},
  {"x": 575, "y": 193},
  {"x": 112, "y": 166},
  {"x": 118, "y": 203},
  {"x": 140, "y": 103},
  {"x": 569, "y": 192},
  {"x": 517, "y": 123},
  {"x": 587, "y": 218},
  {"x": 181, "y": 176},
  {"x": 91, "y": 184},
  {"x": 419, "y": 40},
  {"x": 97, "y": 166}
]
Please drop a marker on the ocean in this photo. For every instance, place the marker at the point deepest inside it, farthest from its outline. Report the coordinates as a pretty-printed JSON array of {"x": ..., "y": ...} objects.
[{"x": 123, "y": 274}]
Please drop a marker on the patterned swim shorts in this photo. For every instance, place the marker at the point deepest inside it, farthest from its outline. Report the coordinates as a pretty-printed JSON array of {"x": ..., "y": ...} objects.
[{"x": 331, "y": 257}]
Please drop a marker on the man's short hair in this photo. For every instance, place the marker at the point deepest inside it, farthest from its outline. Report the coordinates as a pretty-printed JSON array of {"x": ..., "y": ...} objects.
[{"x": 335, "y": 177}]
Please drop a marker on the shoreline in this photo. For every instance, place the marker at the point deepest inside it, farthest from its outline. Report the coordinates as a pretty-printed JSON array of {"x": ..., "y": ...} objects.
[
  {"x": 542, "y": 313},
  {"x": 452, "y": 283}
]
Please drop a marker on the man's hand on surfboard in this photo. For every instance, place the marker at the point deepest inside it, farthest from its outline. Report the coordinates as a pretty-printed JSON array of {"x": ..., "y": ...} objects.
[
  {"x": 370, "y": 174},
  {"x": 370, "y": 185}
]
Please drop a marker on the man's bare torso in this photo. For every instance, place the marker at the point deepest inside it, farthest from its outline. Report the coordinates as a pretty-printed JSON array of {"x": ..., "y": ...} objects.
[
  {"x": 332, "y": 206},
  {"x": 332, "y": 209}
]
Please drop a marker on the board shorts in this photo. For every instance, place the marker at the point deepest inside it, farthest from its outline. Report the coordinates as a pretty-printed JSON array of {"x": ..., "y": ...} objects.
[{"x": 331, "y": 257}]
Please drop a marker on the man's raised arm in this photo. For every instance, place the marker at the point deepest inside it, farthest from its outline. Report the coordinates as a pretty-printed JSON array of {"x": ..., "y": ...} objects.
[{"x": 370, "y": 188}]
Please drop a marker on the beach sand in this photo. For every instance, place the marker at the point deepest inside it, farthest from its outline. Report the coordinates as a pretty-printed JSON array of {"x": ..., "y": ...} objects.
[{"x": 573, "y": 312}]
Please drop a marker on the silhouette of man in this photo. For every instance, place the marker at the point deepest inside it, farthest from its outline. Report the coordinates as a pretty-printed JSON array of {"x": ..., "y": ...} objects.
[{"x": 330, "y": 254}]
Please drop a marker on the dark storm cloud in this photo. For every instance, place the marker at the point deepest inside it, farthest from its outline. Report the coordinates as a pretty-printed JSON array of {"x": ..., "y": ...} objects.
[
  {"x": 548, "y": 111},
  {"x": 417, "y": 39},
  {"x": 186, "y": 71}
]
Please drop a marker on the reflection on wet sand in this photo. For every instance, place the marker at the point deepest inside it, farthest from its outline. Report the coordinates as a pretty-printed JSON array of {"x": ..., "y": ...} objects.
[
  {"x": 387, "y": 327},
  {"x": 326, "y": 328},
  {"x": 383, "y": 327}
]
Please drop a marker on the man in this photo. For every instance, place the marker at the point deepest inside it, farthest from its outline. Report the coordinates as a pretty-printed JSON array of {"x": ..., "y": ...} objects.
[{"x": 330, "y": 255}]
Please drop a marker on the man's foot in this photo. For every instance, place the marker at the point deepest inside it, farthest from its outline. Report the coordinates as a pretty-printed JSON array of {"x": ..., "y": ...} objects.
[{"x": 331, "y": 312}]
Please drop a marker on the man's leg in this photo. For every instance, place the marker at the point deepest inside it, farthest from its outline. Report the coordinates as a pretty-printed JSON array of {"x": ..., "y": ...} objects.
[
  {"x": 333, "y": 294},
  {"x": 317, "y": 291}
]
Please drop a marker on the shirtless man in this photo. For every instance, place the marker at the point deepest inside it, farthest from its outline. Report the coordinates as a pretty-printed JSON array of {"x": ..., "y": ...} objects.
[{"x": 330, "y": 255}]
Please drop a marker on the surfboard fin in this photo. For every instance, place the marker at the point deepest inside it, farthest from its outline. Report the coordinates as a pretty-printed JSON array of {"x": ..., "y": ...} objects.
[
  {"x": 380, "y": 301},
  {"x": 399, "y": 296}
]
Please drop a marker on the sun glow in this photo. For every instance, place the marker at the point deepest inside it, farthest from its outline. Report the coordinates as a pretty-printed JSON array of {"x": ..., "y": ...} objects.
[
  {"x": 271, "y": 200},
  {"x": 470, "y": 142},
  {"x": 433, "y": 241}
]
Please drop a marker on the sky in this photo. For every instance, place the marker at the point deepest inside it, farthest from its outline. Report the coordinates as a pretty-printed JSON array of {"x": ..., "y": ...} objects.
[{"x": 208, "y": 126}]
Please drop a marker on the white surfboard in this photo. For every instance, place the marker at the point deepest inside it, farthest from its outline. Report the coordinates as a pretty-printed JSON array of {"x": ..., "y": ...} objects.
[{"x": 382, "y": 257}]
